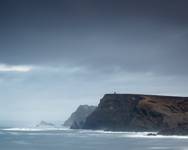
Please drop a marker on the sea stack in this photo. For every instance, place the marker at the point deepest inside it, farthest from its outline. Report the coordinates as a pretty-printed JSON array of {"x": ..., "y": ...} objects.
[{"x": 45, "y": 124}]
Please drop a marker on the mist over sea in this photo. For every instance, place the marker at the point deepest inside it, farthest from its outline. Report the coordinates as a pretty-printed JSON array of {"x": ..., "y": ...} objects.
[{"x": 66, "y": 139}]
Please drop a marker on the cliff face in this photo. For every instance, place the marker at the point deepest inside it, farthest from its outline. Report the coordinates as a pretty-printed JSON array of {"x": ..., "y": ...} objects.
[
  {"x": 130, "y": 112},
  {"x": 77, "y": 119}
]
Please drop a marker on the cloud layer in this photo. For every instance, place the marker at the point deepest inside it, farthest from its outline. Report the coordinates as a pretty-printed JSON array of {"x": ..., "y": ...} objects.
[{"x": 14, "y": 68}]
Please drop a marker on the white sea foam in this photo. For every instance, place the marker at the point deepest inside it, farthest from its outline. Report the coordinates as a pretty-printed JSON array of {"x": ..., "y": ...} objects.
[
  {"x": 98, "y": 133},
  {"x": 145, "y": 135},
  {"x": 34, "y": 129},
  {"x": 132, "y": 134}
]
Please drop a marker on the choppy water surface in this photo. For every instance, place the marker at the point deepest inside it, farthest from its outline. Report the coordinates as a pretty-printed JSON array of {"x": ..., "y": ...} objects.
[{"x": 65, "y": 139}]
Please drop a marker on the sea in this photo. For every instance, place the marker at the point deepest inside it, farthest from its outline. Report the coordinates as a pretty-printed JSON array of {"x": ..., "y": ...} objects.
[{"x": 67, "y": 139}]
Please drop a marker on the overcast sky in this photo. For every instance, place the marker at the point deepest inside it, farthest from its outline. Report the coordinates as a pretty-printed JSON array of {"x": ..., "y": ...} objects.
[{"x": 58, "y": 54}]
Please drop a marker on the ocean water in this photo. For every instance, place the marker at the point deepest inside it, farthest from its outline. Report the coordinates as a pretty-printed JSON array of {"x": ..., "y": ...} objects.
[{"x": 66, "y": 139}]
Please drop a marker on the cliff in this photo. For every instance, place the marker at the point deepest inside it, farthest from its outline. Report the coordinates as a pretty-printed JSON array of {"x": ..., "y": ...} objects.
[
  {"x": 134, "y": 112},
  {"x": 77, "y": 119}
]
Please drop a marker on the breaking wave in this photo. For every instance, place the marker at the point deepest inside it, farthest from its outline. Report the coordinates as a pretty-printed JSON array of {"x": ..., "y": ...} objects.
[
  {"x": 132, "y": 134},
  {"x": 96, "y": 133},
  {"x": 35, "y": 129}
]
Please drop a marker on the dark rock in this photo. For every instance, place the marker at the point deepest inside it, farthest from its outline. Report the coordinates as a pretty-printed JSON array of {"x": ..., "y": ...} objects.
[
  {"x": 77, "y": 119},
  {"x": 152, "y": 134},
  {"x": 133, "y": 112}
]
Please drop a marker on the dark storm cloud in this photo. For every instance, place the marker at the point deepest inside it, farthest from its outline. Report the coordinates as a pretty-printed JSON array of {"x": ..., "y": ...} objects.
[{"x": 134, "y": 35}]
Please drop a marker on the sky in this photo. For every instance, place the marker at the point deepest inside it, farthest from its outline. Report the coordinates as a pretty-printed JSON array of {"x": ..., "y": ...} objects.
[{"x": 58, "y": 54}]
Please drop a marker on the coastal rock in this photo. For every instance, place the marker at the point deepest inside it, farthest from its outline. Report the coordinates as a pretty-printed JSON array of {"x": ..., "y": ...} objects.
[
  {"x": 151, "y": 134},
  {"x": 45, "y": 124},
  {"x": 134, "y": 112},
  {"x": 77, "y": 119}
]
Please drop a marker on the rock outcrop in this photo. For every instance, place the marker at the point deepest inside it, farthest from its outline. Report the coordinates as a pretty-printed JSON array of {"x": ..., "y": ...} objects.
[
  {"x": 45, "y": 124},
  {"x": 77, "y": 119},
  {"x": 133, "y": 112}
]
